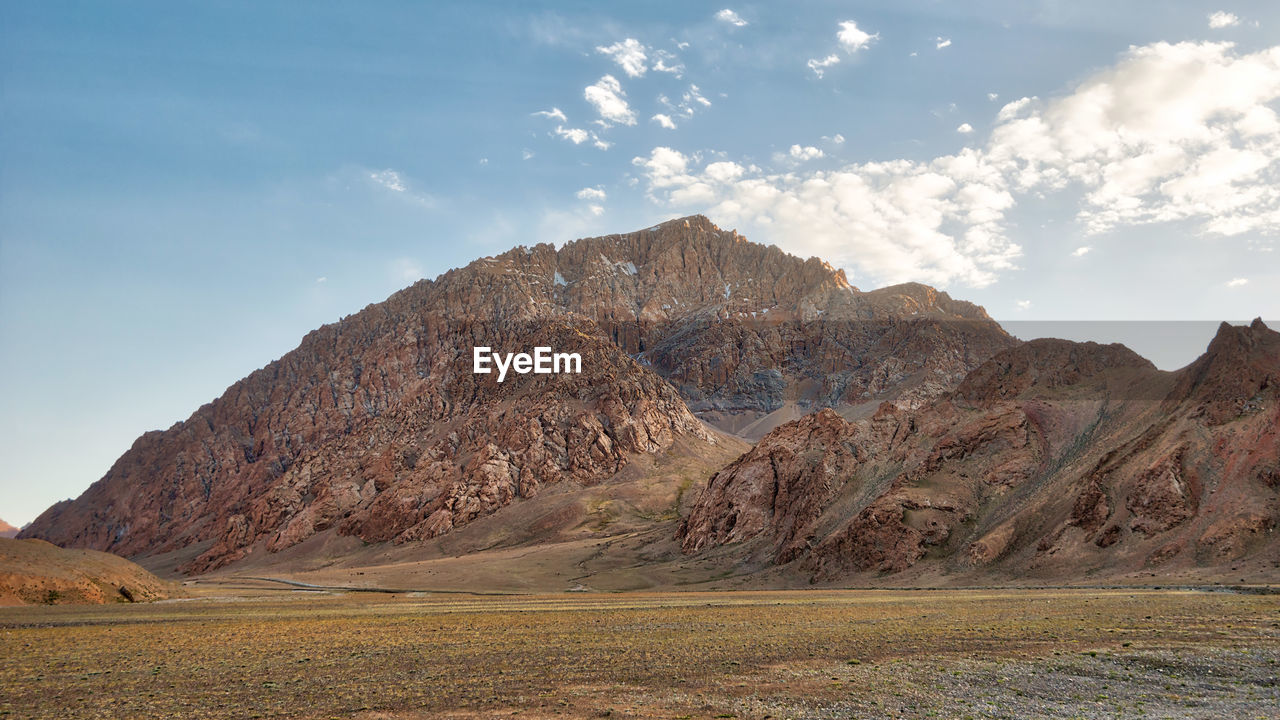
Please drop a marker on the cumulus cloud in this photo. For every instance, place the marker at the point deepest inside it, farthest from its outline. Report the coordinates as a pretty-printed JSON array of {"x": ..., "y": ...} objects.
[
  {"x": 664, "y": 121},
  {"x": 942, "y": 42},
  {"x": 553, "y": 114},
  {"x": 1185, "y": 132},
  {"x": 802, "y": 154},
  {"x": 852, "y": 38},
  {"x": 1081, "y": 251},
  {"x": 607, "y": 97},
  {"x": 630, "y": 54},
  {"x": 891, "y": 220},
  {"x": 1237, "y": 282},
  {"x": 1220, "y": 19},
  {"x": 819, "y": 67},
  {"x": 728, "y": 16},
  {"x": 592, "y": 193},
  {"x": 1172, "y": 132},
  {"x": 965, "y": 129}
]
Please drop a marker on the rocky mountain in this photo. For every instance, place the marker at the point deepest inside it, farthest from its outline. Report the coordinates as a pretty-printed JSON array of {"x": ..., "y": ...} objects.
[
  {"x": 1053, "y": 460},
  {"x": 7, "y": 530},
  {"x": 376, "y": 427}
]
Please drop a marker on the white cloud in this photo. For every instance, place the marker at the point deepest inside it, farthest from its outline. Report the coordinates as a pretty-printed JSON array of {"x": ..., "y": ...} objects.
[
  {"x": 942, "y": 42},
  {"x": 664, "y": 121},
  {"x": 596, "y": 210},
  {"x": 601, "y": 144},
  {"x": 1023, "y": 305},
  {"x": 395, "y": 182},
  {"x": 896, "y": 221},
  {"x": 322, "y": 280},
  {"x": 1184, "y": 133},
  {"x": 1237, "y": 282},
  {"x": 595, "y": 193},
  {"x": 728, "y": 16},
  {"x": 1081, "y": 251},
  {"x": 577, "y": 136},
  {"x": 665, "y": 62},
  {"x": 965, "y": 129},
  {"x": 609, "y": 100},
  {"x": 1220, "y": 19},
  {"x": 552, "y": 114},
  {"x": 853, "y": 39},
  {"x": 1172, "y": 132},
  {"x": 819, "y": 67},
  {"x": 389, "y": 179},
  {"x": 802, "y": 154},
  {"x": 993, "y": 96},
  {"x": 526, "y": 154},
  {"x": 630, "y": 54}
]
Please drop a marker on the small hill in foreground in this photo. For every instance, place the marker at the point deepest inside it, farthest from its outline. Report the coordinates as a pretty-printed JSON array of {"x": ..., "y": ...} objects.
[{"x": 34, "y": 572}]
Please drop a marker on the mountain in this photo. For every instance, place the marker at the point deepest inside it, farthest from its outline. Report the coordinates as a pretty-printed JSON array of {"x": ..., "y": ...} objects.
[
  {"x": 33, "y": 572},
  {"x": 1052, "y": 461},
  {"x": 7, "y": 530},
  {"x": 376, "y": 428}
]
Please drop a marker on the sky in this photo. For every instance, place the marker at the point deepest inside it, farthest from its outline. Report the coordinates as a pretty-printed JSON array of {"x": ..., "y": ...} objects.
[{"x": 186, "y": 189}]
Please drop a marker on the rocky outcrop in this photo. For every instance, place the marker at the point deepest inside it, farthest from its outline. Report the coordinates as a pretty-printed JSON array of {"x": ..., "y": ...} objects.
[
  {"x": 1052, "y": 459},
  {"x": 376, "y": 427}
]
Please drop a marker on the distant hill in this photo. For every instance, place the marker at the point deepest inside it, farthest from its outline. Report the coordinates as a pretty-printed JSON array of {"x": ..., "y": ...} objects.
[
  {"x": 7, "y": 530},
  {"x": 33, "y": 572}
]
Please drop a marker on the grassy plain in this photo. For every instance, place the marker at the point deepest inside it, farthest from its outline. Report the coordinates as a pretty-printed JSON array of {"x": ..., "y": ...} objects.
[{"x": 791, "y": 654}]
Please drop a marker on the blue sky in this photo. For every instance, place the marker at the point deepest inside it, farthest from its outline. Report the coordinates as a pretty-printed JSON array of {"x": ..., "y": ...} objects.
[{"x": 187, "y": 189}]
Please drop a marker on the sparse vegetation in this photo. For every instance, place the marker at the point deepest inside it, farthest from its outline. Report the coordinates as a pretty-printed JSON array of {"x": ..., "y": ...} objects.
[{"x": 813, "y": 654}]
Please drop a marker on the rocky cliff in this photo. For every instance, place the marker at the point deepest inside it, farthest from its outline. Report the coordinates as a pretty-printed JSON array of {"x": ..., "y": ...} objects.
[
  {"x": 376, "y": 426},
  {"x": 1053, "y": 459}
]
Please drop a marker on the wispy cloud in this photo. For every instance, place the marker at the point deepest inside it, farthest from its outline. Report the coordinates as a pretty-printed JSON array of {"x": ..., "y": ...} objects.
[
  {"x": 819, "y": 67},
  {"x": 732, "y": 18},
  {"x": 553, "y": 114},
  {"x": 406, "y": 270},
  {"x": 577, "y": 136},
  {"x": 630, "y": 54},
  {"x": 942, "y": 42},
  {"x": 1237, "y": 282},
  {"x": 664, "y": 121},
  {"x": 1081, "y": 251},
  {"x": 592, "y": 193},
  {"x": 389, "y": 179},
  {"x": 1023, "y": 305}
]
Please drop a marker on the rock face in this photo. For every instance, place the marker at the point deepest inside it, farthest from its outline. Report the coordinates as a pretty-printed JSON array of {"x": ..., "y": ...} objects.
[
  {"x": 1053, "y": 459},
  {"x": 376, "y": 426}
]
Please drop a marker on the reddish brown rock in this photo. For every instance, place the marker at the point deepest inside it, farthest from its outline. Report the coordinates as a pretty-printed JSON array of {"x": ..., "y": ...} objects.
[
  {"x": 376, "y": 427},
  {"x": 1054, "y": 459}
]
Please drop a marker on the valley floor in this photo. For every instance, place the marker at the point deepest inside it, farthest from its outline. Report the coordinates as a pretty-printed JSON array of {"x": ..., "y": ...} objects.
[{"x": 1086, "y": 653}]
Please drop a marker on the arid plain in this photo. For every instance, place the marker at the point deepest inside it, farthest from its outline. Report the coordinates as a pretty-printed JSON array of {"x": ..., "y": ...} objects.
[{"x": 249, "y": 651}]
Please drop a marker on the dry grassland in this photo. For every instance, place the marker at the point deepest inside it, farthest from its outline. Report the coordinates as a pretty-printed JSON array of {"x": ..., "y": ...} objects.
[{"x": 816, "y": 654}]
